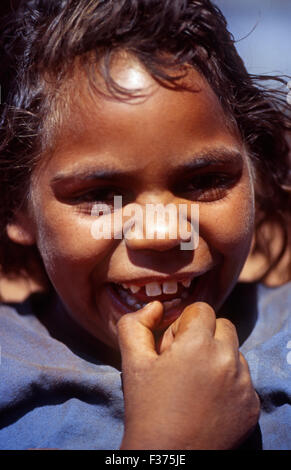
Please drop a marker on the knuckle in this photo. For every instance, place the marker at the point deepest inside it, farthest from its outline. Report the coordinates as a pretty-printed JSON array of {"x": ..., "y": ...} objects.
[
  {"x": 203, "y": 307},
  {"x": 227, "y": 358},
  {"x": 200, "y": 308},
  {"x": 199, "y": 344},
  {"x": 228, "y": 362},
  {"x": 227, "y": 324}
]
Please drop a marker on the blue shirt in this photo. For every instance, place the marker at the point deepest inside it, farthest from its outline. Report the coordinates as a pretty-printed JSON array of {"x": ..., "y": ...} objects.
[
  {"x": 51, "y": 397},
  {"x": 268, "y": 352}
]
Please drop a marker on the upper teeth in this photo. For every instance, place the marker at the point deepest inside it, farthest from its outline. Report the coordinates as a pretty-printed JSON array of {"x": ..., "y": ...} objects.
[
  {"x": 134, "y": 289},
  {"x": 153, "y": 289},
  {"x": 186, "y": 283}
]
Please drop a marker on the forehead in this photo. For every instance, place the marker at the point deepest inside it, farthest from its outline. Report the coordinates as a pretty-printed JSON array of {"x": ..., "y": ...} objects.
[{"x": 160, "y": 123}]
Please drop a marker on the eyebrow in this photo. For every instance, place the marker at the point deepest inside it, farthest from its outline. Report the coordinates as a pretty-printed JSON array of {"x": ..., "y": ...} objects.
[
  {"x": 211, "y": 157},
  {"x": 88, "y": 175}
]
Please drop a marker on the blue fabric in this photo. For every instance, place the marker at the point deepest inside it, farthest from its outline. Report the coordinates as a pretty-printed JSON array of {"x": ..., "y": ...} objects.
[
  {"x": 267, "y": 351},
  {"x": 52, "y": 398}
]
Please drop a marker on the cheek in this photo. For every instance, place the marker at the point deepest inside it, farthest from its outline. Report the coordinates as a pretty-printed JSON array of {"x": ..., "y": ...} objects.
[
  {"x": 228, "y": 225},
  {"x": 66, "y": 244}
]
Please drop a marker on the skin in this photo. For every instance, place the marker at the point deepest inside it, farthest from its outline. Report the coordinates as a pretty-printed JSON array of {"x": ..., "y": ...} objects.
[
  {"x": 207, "y": 403},
  {"x": 146, "y": 143}
]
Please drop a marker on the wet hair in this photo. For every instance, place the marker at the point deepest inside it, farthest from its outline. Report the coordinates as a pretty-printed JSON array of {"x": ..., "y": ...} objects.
[{"x": 41, "y": 40}]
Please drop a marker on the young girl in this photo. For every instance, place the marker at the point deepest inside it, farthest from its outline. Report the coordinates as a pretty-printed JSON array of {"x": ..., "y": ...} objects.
[{"x": 147, "y": 101}]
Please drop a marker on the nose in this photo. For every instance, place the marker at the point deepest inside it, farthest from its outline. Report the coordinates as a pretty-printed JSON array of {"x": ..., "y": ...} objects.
[{"x": 157, "y": 226}]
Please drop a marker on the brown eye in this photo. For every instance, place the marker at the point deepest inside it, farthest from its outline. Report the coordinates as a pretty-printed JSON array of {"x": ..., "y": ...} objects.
[
  {"x": 86, "y": 202},
  {"x": 208, "y": 187}
]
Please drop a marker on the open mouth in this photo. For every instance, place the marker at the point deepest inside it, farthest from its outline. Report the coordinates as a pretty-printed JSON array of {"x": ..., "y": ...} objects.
[{"x": 173, "y": 294}]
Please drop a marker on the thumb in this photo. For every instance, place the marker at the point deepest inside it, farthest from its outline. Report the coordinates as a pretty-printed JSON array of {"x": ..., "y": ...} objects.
[{"x": 135, "y": 332}]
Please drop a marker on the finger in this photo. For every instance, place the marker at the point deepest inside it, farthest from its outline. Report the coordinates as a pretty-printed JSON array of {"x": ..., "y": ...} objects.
[
  {"x": 197, "y": 319},
  {"x": 165, "y": 340},
  {"x": 226, "y": 333},
  {"x": 135, "y": 332}
]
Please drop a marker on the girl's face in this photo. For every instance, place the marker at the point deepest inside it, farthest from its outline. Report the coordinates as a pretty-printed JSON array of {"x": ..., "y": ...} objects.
[{"x": 169, "y": 147}]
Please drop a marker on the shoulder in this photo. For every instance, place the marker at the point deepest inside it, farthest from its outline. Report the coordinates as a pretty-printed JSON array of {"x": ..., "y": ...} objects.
[
  {"x": 21, "y": 332},
  {"x": 25, "y": 339},
  {"x": 18, "y": 316},
  {"x": 50, "y": 397}
]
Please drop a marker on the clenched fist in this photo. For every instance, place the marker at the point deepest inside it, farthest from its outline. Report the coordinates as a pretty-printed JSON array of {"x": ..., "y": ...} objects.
[{"x": 191, "y": 391}]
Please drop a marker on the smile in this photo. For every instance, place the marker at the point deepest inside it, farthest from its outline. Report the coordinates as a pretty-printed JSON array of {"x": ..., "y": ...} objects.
[{"x": 172, "y": 293}]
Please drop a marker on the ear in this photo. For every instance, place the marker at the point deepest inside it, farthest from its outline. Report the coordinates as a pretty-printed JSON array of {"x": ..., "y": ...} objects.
[{"x": 21, "y": 230}]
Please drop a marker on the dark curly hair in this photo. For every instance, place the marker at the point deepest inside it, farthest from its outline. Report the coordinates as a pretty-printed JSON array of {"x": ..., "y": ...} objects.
[{"x": 42, "y": 39}]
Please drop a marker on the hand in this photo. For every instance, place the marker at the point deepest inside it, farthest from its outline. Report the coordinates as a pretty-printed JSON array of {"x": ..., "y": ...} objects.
[{"x": 195, "y": 392}]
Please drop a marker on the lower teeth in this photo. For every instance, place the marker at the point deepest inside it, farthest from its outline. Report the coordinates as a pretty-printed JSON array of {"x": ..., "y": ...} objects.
[{"x": 131, "y": 301}]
